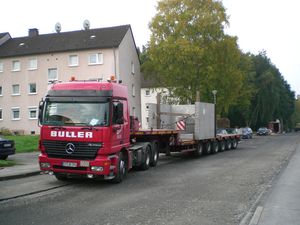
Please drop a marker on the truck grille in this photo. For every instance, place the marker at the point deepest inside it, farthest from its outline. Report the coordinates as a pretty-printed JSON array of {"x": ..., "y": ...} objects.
[{"x": 82, "y": 150}]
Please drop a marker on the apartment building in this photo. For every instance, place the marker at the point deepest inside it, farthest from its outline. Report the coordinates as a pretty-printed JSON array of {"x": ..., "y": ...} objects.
[{"x": 29, "y": 65}]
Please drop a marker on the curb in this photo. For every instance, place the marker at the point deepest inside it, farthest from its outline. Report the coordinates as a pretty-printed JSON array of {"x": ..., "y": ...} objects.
[{"x": 16, "y": 176}]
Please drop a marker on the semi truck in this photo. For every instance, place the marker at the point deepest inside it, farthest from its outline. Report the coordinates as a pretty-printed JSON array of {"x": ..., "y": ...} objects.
[{"x": 86, "y": 130}]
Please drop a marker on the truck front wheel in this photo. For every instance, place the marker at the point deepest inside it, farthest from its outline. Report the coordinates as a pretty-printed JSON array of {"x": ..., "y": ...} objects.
[{"x": 121, "y": 172}]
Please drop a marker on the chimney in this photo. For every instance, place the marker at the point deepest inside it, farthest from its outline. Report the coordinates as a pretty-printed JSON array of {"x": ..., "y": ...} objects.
[{"x": 33, "y": 32}]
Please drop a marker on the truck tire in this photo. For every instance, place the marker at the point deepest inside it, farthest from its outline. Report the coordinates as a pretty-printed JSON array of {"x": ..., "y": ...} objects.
[
  {"x": 60, "y": 176},
  {"x": 234, "y": 143},
  {"x": 215, "y": 147},
  {"x": 228, "y": 144},
  {"x": 146, "y": 162},
  {"x": 207, "y": 148},
  {"x": 121, "y": 169},
  {"x": 154, "y": 155},
  {"x": 221, "y": 146},
  {"x": 199, "y": 149}
]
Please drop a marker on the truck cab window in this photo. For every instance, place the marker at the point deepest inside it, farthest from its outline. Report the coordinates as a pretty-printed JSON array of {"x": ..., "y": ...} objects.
[
  {"x": 118, "y": 117},
  {"x": 76, "y": 114}
]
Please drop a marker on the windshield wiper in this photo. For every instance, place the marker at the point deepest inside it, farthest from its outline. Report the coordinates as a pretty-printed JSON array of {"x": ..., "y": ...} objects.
[
  {"x": 58, "y": 128},
  {"x": 89, "y": 128}
]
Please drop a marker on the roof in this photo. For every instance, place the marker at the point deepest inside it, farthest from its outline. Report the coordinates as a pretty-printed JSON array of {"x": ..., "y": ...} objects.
[
  {"x": 3, "y": 34},
  {"x": 65, "y": 41}
]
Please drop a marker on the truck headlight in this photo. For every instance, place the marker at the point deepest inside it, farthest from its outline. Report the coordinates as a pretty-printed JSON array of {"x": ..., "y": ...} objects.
[
  {"x": 97, "y": 168},
  {"x": 45, "y": 165}
]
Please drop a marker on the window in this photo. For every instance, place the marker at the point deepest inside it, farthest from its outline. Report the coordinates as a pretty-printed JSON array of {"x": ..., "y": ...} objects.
[
  {"x": 133, "y": 90},
  {"x": 1, "y": 118},
  {"x": 16, "y": 65},
  {"x": 15, "y": 113},
  {"x": 32, "y": 112},
  {"x": 16, "y": 89},
  {"x": 52, "y": 74},
  {"x": 95, "y": 58},
  {"x": 32, "y": 64},
  {"x": 73, "y": 60},
  {"x": 32, "y": 88},
  {"x": 118, "y": 113},
  {"x": 0, "y": 90},
  {"x": 132, "y": 68},
  {"x": 1, "y": 66},
  {"x": 147, "y": 92}
]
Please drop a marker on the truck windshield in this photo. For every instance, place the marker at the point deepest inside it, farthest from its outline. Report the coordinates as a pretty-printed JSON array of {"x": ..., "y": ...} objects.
[{"x": 76, "y": 114}]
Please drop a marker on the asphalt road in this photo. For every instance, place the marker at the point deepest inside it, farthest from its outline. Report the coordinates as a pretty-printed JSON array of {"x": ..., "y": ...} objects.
[{"x": 212, "y": 190}]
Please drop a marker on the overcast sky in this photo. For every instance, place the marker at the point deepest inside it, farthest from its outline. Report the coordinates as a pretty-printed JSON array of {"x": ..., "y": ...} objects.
[{"x": 271, "y": 25}]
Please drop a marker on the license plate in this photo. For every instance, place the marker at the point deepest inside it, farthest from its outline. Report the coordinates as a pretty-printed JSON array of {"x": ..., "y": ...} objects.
[
  {"x": 69, "y": 164},
  {"x": 84, "y": 163},
  {"x": 7, "y": 145}
]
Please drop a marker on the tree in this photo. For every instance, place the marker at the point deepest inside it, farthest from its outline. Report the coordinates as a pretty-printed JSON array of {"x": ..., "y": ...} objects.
[
  {"x": 271, "y": 96},
  {"x": 189, "y": 51}
]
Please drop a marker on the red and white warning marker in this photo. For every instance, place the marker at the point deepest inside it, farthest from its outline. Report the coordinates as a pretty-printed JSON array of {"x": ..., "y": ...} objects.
[{"x": 180, "y": 125}]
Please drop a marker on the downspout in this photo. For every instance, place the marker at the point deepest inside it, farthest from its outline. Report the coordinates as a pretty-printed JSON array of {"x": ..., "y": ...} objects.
[{"x": 115, "y": 64}]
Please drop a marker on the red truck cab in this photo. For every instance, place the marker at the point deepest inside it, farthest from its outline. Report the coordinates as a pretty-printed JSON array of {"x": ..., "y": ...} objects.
[{"x": 85, "y": 130}]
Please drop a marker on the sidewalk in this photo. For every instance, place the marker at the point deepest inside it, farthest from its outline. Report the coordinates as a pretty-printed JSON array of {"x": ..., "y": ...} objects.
[
  {"x": 27, "y": 165},
  {"x": 283, "y": 204}
]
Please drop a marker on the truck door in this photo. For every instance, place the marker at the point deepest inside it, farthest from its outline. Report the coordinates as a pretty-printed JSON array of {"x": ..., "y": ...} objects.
[{"x": 117, "y": 125}]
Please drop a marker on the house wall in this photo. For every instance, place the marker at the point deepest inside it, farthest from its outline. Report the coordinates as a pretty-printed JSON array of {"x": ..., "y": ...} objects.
[
  {"x": 147, "y": 96},
  {"x": 128, "y": 57},
  {"x": 112, "y": 65}
]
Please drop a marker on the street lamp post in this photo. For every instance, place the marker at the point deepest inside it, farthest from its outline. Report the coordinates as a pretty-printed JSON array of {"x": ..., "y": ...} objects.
[{"x": 215, "y": 102}]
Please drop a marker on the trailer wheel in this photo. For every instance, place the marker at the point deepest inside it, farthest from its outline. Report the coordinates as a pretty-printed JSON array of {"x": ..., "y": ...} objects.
[
  {"x": 146, "y": 163},
  {"x": 60, "y": 176},
  {"x": 215, "y": 147},
  {"x": 228, "y": 144},
  {"x": 222, "y": 146},
  {"x": 121, "y": 169},
  {"x": 234, "y": 143},
  {"x": 207, "y": 148},
  {"x": 154, "y": 155},
  {"x": 199, "y": 149}
]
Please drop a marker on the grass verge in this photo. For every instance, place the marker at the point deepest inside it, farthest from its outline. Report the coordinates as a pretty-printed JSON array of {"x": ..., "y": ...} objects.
[
  {"x": 25, "y": 143},
  {"x": 6, "y": 163}
]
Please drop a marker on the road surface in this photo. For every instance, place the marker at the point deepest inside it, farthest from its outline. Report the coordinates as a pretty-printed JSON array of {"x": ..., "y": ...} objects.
[{"x": 211, "y": 190}]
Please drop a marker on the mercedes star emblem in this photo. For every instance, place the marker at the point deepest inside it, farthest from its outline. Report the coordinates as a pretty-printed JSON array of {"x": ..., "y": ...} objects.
[{"x": 70, "y": 148}]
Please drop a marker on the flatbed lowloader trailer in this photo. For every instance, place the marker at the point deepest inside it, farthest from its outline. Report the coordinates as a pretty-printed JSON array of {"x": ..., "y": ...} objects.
[{"x": 86, "y": 131}]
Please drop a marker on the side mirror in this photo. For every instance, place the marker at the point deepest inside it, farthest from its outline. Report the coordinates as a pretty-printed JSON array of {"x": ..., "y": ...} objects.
[{"x": 41, "y": 107}]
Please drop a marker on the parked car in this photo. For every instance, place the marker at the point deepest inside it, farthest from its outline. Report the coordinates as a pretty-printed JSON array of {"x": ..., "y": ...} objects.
[
  {"x": 221, "y": 131},
  {"x": 234, "y": 131},
  {"x": 263, "y": 131},
  {"x": 7, "y": 147},
  {"x": 247, "y": 133}
]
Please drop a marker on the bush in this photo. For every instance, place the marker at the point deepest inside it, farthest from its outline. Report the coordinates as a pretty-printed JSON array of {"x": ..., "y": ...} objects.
[{"x": 5, "y": 131}]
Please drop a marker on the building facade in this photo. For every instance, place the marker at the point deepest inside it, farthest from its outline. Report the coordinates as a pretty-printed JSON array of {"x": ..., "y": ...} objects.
[{"x": 29, "y": 65}]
